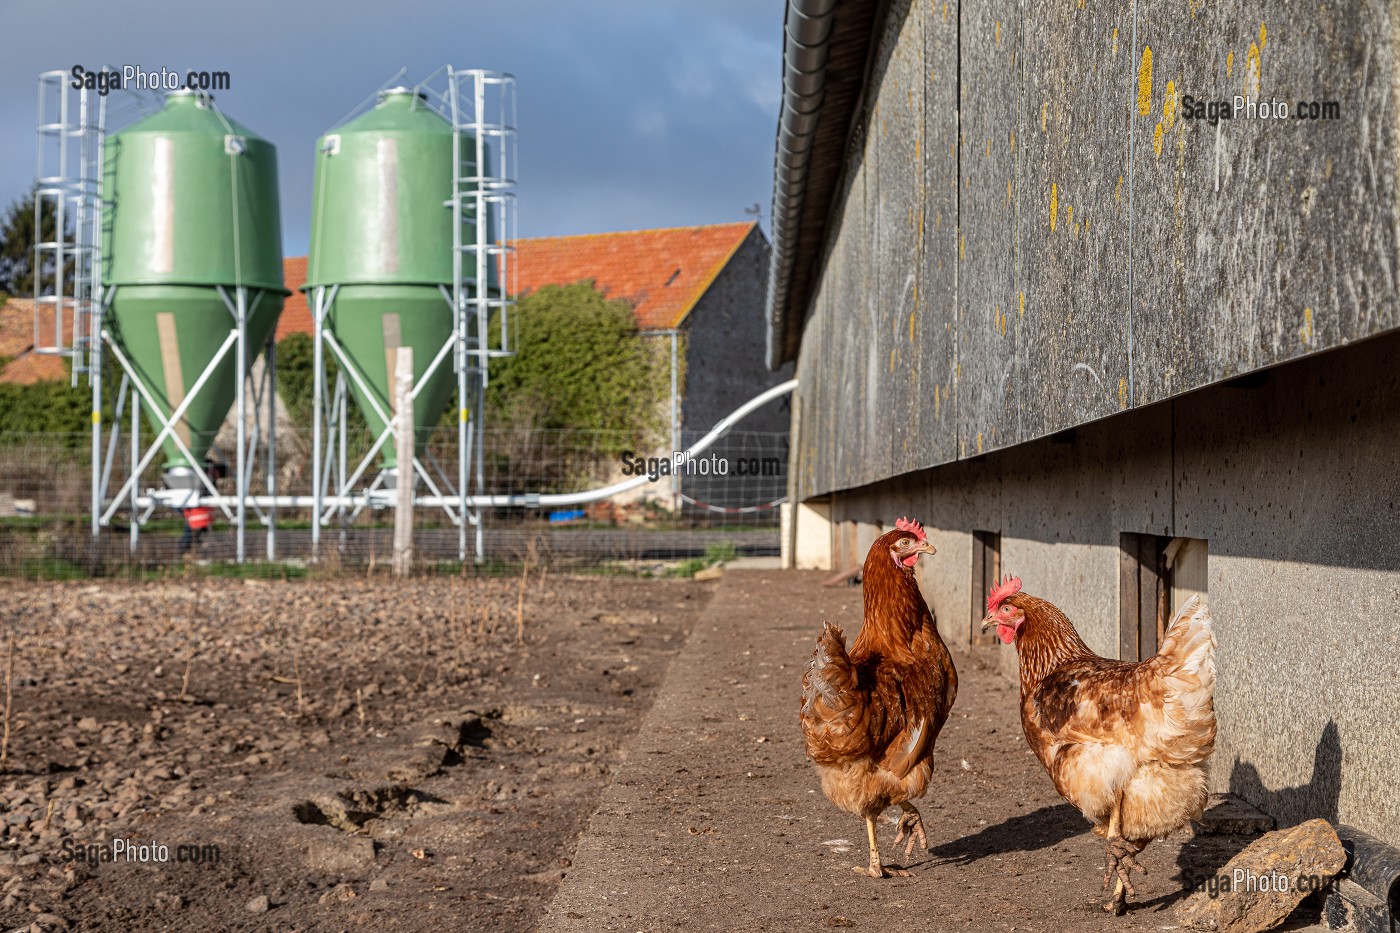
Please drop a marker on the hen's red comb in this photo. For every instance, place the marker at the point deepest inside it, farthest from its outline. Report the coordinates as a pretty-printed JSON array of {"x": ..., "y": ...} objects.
[
  {"x": 1008, "y": 587},
  {"x": 912, "y": 526}
]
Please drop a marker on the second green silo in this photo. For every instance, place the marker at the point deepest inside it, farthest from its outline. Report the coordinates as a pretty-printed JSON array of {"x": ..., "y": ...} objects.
[{"x": 381, "y": 230}]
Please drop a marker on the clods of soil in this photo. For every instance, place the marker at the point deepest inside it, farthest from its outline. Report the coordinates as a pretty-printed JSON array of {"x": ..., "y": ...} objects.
[{"x": 315, "y": 755}]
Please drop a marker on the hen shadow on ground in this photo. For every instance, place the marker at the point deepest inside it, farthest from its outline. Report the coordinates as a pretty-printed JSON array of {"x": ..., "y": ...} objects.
[{"x": 1025, "y": 832}]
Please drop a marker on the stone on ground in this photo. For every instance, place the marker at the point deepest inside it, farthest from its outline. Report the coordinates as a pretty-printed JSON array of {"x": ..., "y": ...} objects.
[{"x": 1261, "y": 886}]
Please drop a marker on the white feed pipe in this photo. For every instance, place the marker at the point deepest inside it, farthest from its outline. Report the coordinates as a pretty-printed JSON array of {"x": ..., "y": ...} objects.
[{"x": 517, "y": 500}]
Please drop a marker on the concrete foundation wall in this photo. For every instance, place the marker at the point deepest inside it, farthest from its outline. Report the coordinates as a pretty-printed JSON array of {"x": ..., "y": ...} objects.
[{"x": 1294, "y": 480}]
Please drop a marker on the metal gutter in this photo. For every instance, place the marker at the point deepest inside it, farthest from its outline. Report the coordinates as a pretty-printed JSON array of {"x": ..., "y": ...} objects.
[{"x": 806, "y": 38}]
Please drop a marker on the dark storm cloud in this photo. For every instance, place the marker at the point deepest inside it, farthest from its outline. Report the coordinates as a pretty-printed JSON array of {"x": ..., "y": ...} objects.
[{"x": 632, "y": 113}]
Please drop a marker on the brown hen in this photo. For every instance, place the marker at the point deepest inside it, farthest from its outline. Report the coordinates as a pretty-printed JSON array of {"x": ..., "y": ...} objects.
[
  {"x": 1125, "y": 742},
  {"x": 870, "y": 716}
]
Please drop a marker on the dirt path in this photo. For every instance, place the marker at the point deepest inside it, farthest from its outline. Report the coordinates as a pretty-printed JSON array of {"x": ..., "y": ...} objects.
[{"x": 716, "y": 822}]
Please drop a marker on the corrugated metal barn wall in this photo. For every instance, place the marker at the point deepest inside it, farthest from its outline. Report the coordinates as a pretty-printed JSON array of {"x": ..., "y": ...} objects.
[{"x": 1078, "y": 247}]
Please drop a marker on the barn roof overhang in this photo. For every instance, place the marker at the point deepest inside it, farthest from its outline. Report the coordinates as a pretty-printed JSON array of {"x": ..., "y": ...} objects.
[{"x": 826, "y": 54}]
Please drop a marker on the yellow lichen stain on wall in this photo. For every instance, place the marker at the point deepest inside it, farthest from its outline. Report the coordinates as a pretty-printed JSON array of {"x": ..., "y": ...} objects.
[
  {"x": 891, "y": 360},
  {"x": 917, "y": 148},
  {"x": 962, "y": 246},
  {"x": 1305, "y": 333},
  {"x": 1023, "y": 305},
  {"x": 1000, "y": 320},
  {"x": 1169, "y": 106},
  {"x": 1044, "y": 112},
  {"x": 998, "y": 34},
  {"x": 1011, "y": 142},
  {"x": 1054, "y": 206},
  {"x": 1122, "y": 394},
  {"x": 1118, "y": 189},
  {"x": 1263, "y": 34},
  {"x": 911, "y": 325},
  {"x": 1115, "y": 41},
  {"x": 1069, "y": 216},
  {"x": 1252, "y": 71},
  {"x": 1145, "y": 82},
  {"x": 979, "y": 442},
  {"x": 1157, "y": 139},
  {"x": 1230, "y": 63}
]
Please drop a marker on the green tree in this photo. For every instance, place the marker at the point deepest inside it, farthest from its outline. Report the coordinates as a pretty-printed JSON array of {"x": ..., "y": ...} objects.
[
  {"x": 17, "y": 246},
  {"x": 295, "y": 376},
  {"x": 296, "y": 380},
  {"x": 579, "y": 365}
]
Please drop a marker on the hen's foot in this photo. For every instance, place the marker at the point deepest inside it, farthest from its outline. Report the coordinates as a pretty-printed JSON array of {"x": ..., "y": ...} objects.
[
  {"x": 1120, "y": 861},
  {"x": 911, "y": 826}
]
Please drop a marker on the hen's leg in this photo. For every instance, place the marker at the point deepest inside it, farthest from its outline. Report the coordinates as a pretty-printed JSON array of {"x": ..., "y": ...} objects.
[
  {"x": 875, "y": 869},
  {"x": 1120, "y": 858},
  {"x": 911, "y": 825}
]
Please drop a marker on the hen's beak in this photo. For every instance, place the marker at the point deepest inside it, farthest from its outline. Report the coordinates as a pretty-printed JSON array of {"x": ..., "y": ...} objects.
[
  {"x": 926, "y": 547},
  {"x": 988, "y": 622}
]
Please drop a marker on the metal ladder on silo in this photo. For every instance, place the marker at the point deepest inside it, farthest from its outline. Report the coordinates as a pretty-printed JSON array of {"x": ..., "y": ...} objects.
[
  {"x": 481, "y": 103},
  {"x": 68, "y": 197}
]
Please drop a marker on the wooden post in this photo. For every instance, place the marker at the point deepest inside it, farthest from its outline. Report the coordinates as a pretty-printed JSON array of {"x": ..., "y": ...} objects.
[{"x": 403, "y": 430}]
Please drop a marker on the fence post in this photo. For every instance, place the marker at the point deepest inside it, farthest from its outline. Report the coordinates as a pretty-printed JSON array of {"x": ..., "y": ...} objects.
[{"x": 403, "y": 439}]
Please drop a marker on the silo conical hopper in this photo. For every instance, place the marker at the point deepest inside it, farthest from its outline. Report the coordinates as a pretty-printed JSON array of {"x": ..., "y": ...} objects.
[
  {"x": 381, "y": 230},
  {"x": 192, "y": 205}
]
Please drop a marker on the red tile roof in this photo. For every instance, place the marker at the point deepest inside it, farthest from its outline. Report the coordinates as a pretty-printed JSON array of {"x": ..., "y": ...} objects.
[
  {"x": 296, "y": 313},
  {"x": 17, "y": 343},
  {"x": 661, "y": 273}
]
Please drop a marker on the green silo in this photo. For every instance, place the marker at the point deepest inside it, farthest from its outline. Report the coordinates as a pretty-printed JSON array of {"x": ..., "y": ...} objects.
[
  {"x": 191, "y": 206},
  {"x": 381, "y": 230}
]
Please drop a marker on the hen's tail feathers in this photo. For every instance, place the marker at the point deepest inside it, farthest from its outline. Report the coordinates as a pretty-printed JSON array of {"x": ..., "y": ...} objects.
[
  {"x": 833, "y": 705},
  {"x": 1187, "y": 656}
]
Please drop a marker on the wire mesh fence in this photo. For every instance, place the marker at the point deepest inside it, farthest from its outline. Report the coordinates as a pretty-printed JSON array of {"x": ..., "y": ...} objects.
[{"x": 687, "y": 513}]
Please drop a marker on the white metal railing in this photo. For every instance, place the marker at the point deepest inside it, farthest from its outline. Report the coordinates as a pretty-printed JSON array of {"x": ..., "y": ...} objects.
[{"x": 68, "y": 219}]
